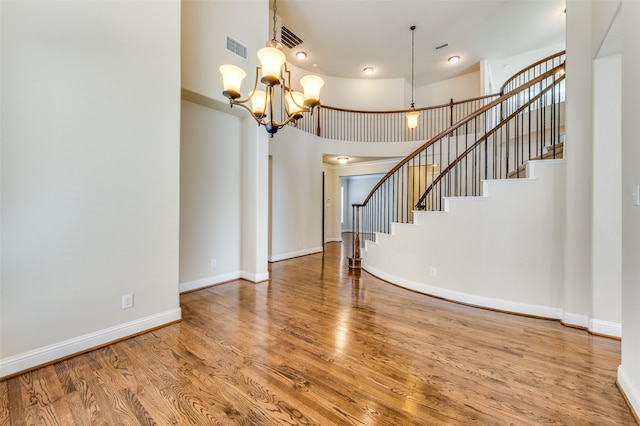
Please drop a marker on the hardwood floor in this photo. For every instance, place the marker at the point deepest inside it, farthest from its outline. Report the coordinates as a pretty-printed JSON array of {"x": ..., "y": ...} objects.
[{"x": 316, "y": 345}]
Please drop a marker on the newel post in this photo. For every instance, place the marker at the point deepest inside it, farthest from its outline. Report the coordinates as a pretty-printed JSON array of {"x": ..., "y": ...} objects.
[
  {"x": 355, "y": 262},
  {"x": 318, "y": 131}
]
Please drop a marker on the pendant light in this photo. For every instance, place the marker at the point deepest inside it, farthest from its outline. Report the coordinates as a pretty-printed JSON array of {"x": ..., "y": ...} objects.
[{"x": 412, "y": 115}]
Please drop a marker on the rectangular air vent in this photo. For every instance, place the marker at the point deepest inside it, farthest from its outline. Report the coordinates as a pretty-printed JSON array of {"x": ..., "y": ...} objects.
[
  {"x": 234, "y": 46},
  {"x": 288, "y": 38}
]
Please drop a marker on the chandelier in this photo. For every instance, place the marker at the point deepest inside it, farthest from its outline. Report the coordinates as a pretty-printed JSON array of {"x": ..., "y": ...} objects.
[
  {"x": 412, "y": 115},
  {"x": 273, "y": 68}
]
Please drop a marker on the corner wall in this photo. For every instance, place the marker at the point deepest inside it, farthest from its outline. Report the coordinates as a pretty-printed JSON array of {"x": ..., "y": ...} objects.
[{"x": 629, "y": 371}]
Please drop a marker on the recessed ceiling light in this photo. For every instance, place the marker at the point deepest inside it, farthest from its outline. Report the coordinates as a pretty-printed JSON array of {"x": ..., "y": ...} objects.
[
  {"x": 368, "y": 70},
  {"x": 454, "y": 59},
  {"x": 301, "y": 55},
  {"x": 343, "y": 160}
]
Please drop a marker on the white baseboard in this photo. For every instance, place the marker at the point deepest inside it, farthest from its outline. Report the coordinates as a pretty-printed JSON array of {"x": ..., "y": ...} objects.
[
  {"x": 47, "y": 354},
  {"x": 256, "y": 278},
  {"x": 471, "y": 299},
  {"x": 209, "y": 281},
  {"x": 576, "y": 320},
  {"x": 284, "y": 256},
  {"x": 629, "y": 390},
  {"x": 607, "y": 328}
]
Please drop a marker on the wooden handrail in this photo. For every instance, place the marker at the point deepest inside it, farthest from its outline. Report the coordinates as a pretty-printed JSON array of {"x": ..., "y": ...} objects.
[
  {"x": 459, "y": 124},
  {"x": 527, "y": 68},
  {"x": 448, "y": 104}
]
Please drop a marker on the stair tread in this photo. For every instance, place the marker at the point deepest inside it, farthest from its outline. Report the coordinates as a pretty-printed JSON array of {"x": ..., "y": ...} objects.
[{"x": 555, "y": 151}]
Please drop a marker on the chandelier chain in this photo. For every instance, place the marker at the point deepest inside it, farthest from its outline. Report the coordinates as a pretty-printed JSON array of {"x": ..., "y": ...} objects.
[{"x": 275, "y": 9}]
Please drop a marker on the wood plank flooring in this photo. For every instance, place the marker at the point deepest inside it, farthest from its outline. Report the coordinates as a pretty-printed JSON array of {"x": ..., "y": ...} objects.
[{"x": 317, "y": 346}]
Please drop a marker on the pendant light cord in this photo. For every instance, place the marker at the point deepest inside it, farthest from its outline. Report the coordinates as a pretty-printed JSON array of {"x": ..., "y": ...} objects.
[{"x": 413, "y": 27}]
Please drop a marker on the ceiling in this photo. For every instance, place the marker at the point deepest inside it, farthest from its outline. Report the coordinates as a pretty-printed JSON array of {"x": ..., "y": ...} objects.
[{"x": 341, "y": 38}]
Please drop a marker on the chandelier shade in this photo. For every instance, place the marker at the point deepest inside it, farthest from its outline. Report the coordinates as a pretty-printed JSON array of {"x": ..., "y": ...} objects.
[
  {"x": 295, "y": 100},
  {"x": 271, "y": 61},
  {"x": 259, "y": 103},
  {"x": 311, "y": 85},
  {"x": 232, "y": 77},
  {"x": 275, "y": 78}
]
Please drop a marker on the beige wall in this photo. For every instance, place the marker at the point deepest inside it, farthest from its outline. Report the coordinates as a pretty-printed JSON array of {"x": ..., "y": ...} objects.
[
  {"x": 210, "y": 188},
  {"x": 90, "y": 174}
]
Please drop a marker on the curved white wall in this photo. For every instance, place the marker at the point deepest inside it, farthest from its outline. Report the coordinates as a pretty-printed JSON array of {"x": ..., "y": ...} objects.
[{"x": 504, "y": 250}]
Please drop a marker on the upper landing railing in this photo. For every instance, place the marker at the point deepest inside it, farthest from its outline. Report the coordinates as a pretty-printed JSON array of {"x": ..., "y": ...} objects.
[{"x": 388, "y": 126}]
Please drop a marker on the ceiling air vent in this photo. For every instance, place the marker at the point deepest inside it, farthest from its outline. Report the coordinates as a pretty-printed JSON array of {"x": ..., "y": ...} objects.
[
  {"x": 234, "y": 46},
  {"x": 288, "y": 38}
]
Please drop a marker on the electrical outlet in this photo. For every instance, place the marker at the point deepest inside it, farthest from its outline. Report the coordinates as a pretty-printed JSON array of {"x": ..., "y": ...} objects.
[
  {"x": 214, "y": 263},
  {"x": 127, "y": 301},
  {"x": 433, "y": 271}
]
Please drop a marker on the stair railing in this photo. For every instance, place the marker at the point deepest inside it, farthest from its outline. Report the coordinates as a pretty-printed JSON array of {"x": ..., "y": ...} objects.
[
  {"x": 456, "y": 161},
  {"x": 527, "y": 74}
]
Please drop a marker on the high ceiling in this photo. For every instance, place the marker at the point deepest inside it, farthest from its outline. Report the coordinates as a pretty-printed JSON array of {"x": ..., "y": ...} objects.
[{"x": 343, "y": 37}]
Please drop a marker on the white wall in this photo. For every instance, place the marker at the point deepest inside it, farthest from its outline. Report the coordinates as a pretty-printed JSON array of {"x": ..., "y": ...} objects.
[
  {"x": 466, "y": 86},
  {"x": 296, "y": 194},
  {"x": 579, "y": 154},
  {"x": 205, "y": 25},
  {"x": 210, "y": 205},
  {"x": 607, "y": 228},
  {"x": 500, "y": 70},
  {"x": 510, "y": 243},
  {"x": 629, "y": 372},
  {"x": 90, "y": 174}
]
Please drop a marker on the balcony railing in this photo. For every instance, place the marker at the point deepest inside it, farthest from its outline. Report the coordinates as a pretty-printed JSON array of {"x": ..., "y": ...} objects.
[{"x": 389, "y": 126}]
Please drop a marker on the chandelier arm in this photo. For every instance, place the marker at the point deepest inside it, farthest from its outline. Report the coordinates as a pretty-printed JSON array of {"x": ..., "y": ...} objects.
[
  {"x": 258, "y": 120},
  {"x": 253, "y": 91}
]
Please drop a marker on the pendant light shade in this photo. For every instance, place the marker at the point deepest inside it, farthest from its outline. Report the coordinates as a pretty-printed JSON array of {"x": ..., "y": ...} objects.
[
  {"x": 412, "y": 119},
  {"x": 412, "y": 115}
]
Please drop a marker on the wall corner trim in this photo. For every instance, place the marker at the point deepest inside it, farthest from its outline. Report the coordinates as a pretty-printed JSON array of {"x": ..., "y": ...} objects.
[{"x": 629, "y": 390}]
